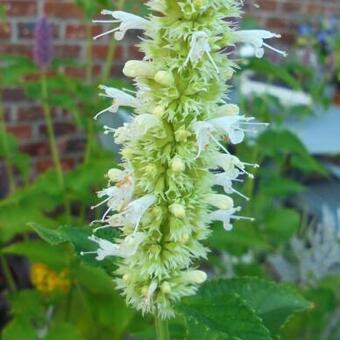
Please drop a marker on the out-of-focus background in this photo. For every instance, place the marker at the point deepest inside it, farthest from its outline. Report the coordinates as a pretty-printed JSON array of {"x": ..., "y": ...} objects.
[{"x": 53, "y": 158}]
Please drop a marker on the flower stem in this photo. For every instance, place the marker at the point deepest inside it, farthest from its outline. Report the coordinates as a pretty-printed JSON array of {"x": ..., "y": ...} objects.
[
  {"x": 7, "y": 273},
  {"x": 162, "y": 329},
  {"x": 7, "y": 161},
  {"x": 53, "y": 141},
  {"x": 50, "y": 131}
]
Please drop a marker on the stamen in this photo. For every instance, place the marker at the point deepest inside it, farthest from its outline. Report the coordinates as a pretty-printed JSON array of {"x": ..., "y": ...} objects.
[
  {"x": 105, "y": 33},
  {"x": 103, "y": 111},
  {"x": 219, "y": 144},
  {"x": 100, "y": 203},
  {"x": 106, "y": 213},
  {"x": 82, "y": 253},
  {"x": 235, "y": 217},
  {"x": 240, "y": 194},
  {"x": 213, "y": 62},
  {"x": 103, "y": 227},
  {"x": 283, "y": 53},
  {"x": 105, "y": 21}
]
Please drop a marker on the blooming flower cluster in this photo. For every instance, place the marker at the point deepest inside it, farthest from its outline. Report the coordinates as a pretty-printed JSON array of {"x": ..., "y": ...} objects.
[{"x": 165, "y": 195}]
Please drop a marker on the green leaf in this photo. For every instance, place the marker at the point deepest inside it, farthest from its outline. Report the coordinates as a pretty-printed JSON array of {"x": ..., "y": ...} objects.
[
  {"x": 281, "y": 224},
  {"x": 281, "y": 186},
  {"x": 51, "y": 236},
  {"x": 273, "y": 303},
  {"x": 219, "y": 314},
  {"x": 38, "y": 251},
  {"x": 19, "y": 328},
  {"x": 65, "y": 331},
  {"x": 274, "y": 72}
]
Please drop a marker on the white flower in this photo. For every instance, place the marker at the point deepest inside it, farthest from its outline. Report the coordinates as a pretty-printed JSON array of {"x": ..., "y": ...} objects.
[
  {"x": 127, "y": 22},
  {"x": 225, "y": 216},
  {"x": 126, "y": 248},
  {"x": 199, "y": 45},
  {"x": 231, "y": 165},
  {"x": 149, "y": 295},
  {"x": 133, "y": 213},
  {"x": 139, "y": 68},
  {"x": 194, "y": 276},
  {"x": 222, "y": 179},
  {"x": 231, "y": 125},
  {"x": 120, "y": 98},
  {"x": 136, "y": 129},
  {"x": 118, "y": 196},
  {"x": 220, "y": 201},
  {"x": 256, "y": 39}
]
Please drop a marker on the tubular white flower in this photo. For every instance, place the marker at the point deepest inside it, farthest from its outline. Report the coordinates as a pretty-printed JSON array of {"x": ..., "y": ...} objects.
[
  {"x": 199, "y": 45},
  {"x": 228, "y": 110},
  {"x": 234, "y": 126},
  {"x": 231, "y": 165},
  {"x": 118, "y": 197},
  {"x": 127, "y": 22},
  {"x": 138, "y": 68},
  {"x": 256, "y": 39},
  {"x": 133, "y": 213},
  {"x": 220, "y": 201},
  {"x": 194, "y": 276},
  {"x": 126, "y": 248},
  {"x": 120, "y": 98},
  {"x": 135, "y": 130},
  {"x": 222, "y": 179}
]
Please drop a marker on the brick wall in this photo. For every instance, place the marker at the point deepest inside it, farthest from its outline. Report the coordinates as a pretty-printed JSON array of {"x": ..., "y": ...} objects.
[{"x": 24, "y": 117}]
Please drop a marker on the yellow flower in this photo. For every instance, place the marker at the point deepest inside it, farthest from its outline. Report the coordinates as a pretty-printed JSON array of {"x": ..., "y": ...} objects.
[{"x": 48, "y": 281}]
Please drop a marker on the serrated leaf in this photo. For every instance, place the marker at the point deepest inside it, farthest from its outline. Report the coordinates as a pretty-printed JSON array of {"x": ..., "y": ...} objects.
[
  {"x": 219, "y": 314},
  {"x": 273, "y": 303},
  {"x": 51, "y": 236}
]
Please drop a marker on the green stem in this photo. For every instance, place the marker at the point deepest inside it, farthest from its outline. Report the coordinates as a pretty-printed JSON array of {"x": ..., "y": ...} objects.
[
  {"x": 7, "y": 273},
  {"x": 89, "y": 54},
  {"x": 53, "y": 141},
  {"x": 162, "y": 329},
  {"x": 8, "y": 164},
  {"x": 50, "y": 131},
  {"x": 112, "y": 49}
]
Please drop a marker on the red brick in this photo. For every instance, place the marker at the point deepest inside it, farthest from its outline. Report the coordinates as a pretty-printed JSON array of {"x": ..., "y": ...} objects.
[
  {"x": 62, "y": 10},
  {"x": 21, "y": 131},
  {"x": 60, "y": 129},
  {"x": 26, "y": 30},
  {"x": 43, "y": 165},
  {"x": 101, "y": 52},
  {"x": 5, "y": 31},
  {"x": 30, "y": 113},
  {"x": 36, "y": 149},
  {"x": 21, "y": 8},
  {"x": 277, "y": 24},
  {"x": 134, "y": 53},
  {"x": 78, "y": 31},
  {"x": 315, "y": 9},
  {"x": 16, "y": 49},
  {"x": 67, "y": 51},
  {"x": 292, "y": 6},
  {"x": 267, "y": 5},
  {"x": 80, "y": 72},
  {"x": 13, "y": 95}
]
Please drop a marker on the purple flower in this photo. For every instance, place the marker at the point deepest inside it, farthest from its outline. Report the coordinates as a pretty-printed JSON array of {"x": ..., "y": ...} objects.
[{"x": 43, "y": 44}]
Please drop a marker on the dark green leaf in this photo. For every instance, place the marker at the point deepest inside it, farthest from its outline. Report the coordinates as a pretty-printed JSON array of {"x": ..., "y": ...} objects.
[{"x": 215, "y": 313}]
